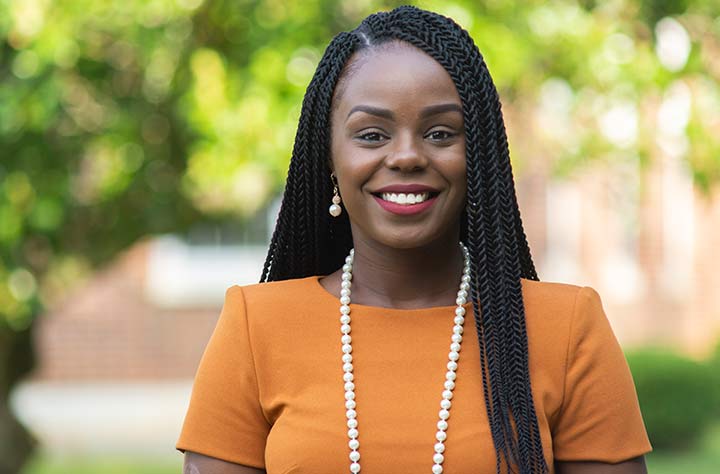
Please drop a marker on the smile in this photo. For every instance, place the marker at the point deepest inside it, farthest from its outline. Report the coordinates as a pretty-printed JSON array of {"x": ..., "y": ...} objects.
[
  {"x": 405, "y": 198},
  {"x": 393, "y": 202}
]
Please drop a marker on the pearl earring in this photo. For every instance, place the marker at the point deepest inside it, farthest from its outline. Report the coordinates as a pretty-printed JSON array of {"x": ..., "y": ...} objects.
[{"x": 335, "y": 209}]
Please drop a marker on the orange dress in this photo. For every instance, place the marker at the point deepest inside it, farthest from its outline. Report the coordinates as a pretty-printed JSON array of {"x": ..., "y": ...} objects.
[{"x": 269, "y": 391}]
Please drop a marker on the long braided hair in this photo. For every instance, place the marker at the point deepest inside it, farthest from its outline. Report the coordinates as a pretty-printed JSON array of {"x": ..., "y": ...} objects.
[{"x": 308, "y": 241}]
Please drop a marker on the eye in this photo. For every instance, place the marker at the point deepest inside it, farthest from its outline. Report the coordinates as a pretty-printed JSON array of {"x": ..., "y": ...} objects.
[
  {"x": 371, "y": 137},
  {"x": 439, "y": 135}
]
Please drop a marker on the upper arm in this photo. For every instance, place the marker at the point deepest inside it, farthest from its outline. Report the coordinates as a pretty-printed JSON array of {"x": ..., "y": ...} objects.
[
  {"x": 199, "y": 464},
  {"x": 600, "y": 416},
  {"x": 631, "y": 466},
  {"x": 225, "y": 418}
]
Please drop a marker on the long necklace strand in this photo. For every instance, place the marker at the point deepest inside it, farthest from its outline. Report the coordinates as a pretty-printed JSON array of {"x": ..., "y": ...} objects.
[{"x": 450, "y": 375}]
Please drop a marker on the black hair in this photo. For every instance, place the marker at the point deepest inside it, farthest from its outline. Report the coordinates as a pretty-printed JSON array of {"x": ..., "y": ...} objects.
[{"x": 308, "y": 241}]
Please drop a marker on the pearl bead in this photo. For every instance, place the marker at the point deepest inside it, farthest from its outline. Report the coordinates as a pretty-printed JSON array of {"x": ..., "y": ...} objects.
[
  {"x": 345, "y": 284},
  {"x": 354, "y": 468},
  {"x": 352, "y": 423},
  {"x": 354, "y": 456},
  {"x": 441, "y": 436},
  {"x": 438, "y": 458},
  {"x": 347, "y": 267},
  {"x": 346, "y": 276},
  {"x": 460, "y": 311},
  {"x": 452, "y": 365},
  {"x": 345, "y": 319},
  {"x": 354, "y": 444},
  {"x": 335, "y": 210},
  {"x": 439, "y": 447},
  {"x": 345, "y": 299},
  {"x": 465, "y": 286},
  {"x": 455, "y": 347},
  {"x": 349, "y": 386},
  {"x": 345, "y": 292},
  {"x": 350, "y": 404},
  {"x": 351, "y": 413},
  {"x": 347, "y": 358},
  {"x": 444, "y": 414},
  {"x": 459, "y": 320},
  {"x": 442, "y": 425},
  {"x": 353, "y": 433},
  {"x": 456, "y": 338},
  {"x": 450, "y": 375},
  {"x": 457, "y": 329},
  {"x": 453, "y": 355},
  {"x": 447, "y": 394},
  {"x": 347, "y": 367},
  {"x": 449, "y": 385},
  {"x": 445, "y": 403},
  {"x": 345, "y": 328},
  {"x": 336, "y": 199},
  {"x": 347, "y": 348},
  {"x": 460, "y": 300},
  {"x": 349, "y": 258},
  {"x": 466, "y": 278},
  {"x": 348, "y": 376},
  {"x": 345, "y": 309},
  {"x": 349, "y": 395},
  {"x": 346, "y": 339},
  {"x": 437, "y": 469}
]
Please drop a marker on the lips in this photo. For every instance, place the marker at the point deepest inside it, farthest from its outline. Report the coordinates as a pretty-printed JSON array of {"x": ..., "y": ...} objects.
[{"x": 386, "y": 195}]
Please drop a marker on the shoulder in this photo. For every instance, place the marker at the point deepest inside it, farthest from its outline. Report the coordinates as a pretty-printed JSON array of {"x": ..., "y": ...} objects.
[
  {"x": 555, "y": 311},
  {"x": 550, "y": 297},
  {"x": 273, "y": 292},
  {"x": 283, "y": 300}
]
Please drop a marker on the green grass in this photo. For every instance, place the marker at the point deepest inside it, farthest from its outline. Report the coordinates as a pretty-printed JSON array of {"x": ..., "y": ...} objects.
[{"x": 43, "y": 464}]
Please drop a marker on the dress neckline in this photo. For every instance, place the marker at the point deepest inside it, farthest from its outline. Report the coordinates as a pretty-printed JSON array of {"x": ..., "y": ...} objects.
[{"x": 332, "y": 299}]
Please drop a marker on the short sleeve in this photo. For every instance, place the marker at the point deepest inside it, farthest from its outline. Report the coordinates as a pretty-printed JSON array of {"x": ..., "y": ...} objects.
[
  {"x": 225, "y": 419},
  {"x": 600, "y": 418}
]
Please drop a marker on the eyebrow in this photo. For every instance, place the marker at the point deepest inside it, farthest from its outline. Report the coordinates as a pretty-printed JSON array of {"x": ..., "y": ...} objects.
[{"x": 385, "y": 113}]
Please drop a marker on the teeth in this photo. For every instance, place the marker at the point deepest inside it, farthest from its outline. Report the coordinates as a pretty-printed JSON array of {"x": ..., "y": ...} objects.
[{"x": 405, "y": 198}]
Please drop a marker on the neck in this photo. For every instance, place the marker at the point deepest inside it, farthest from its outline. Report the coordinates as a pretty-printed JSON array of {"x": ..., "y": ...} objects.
[{"x": 407, "y": 278}]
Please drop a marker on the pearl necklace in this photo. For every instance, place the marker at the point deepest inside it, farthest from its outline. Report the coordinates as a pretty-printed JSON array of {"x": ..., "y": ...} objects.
[{"x": 450, "y": 376}]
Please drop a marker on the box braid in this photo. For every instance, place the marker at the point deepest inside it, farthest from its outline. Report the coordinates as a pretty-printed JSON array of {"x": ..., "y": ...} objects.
[{"x": 307, "y": 241}]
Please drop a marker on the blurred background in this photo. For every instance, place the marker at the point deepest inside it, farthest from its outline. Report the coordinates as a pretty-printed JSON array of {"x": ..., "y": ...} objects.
[{"x": 144, "y": 145}]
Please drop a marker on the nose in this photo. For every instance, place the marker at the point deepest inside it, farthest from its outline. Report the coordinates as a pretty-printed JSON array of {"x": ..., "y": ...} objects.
[{"x": 406, "y": 155}]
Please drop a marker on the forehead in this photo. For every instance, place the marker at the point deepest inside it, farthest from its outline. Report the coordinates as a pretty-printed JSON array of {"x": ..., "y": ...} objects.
[{"x": 397, "y": 73}]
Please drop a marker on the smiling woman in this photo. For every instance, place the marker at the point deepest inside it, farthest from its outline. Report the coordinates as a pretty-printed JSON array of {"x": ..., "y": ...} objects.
[{"x": 336, "y": 362}]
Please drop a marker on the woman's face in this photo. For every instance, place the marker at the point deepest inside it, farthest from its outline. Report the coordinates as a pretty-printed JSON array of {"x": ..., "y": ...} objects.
[{"x": 398, "y": 148}]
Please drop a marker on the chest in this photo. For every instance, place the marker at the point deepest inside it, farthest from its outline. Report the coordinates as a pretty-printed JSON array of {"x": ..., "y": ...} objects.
[{"x": 399, "y": 374}]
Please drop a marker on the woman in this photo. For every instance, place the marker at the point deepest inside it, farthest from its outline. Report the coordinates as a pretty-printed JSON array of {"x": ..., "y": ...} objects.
[{"x": 337, "y": 362}]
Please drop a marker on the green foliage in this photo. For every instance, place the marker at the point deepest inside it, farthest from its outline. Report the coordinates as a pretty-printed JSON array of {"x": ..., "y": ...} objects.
[
  {"x": 713, "y": 362},
  {"x": 678, "y": 396},
  {"x": 705, "y": 459}
]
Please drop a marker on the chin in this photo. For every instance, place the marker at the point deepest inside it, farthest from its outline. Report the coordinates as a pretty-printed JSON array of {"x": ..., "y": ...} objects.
[{"x": 405, "y": 240}]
